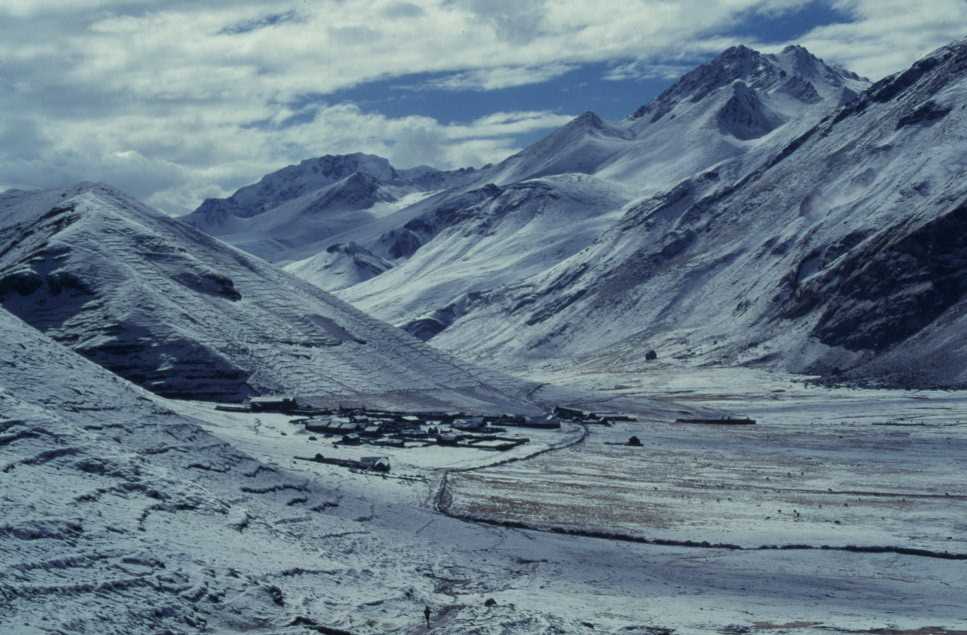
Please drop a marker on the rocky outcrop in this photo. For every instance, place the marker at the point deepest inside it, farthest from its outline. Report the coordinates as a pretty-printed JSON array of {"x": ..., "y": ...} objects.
[{"x": 744, "y": 116}]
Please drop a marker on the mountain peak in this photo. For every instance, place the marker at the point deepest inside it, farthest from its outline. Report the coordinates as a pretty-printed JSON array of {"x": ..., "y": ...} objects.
[
  {"x": 759, "y": 71},
  {"x": 739, "y": 51},
  {"x": 804, "y": 62},
  {"x": 292, "y": 182},
  {"x": 340, "y": 166},
  {"x": 800, "y": 62},
  {"x": 734, "y": 63},
  {"x": 587, "y": 119},
  {"x": 799, "y": 51},
  {"x": 83, "y": 187},
  {"x": 744, "y": 116}
]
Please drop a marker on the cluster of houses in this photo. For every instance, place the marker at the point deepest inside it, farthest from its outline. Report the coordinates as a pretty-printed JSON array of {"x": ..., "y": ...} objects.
[
  {"x": 355, "y": 426},
  {"x": 362, "y": 426}
]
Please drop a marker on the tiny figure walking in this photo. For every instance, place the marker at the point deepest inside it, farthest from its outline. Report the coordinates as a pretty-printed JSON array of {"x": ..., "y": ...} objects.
[{"x": 426, "y": 615}]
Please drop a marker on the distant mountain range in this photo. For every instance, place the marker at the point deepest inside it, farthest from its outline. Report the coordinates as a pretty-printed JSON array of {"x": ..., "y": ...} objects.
[
  {"x": 766, "y": 209},
  {"x": 293, "y": 213},
  {"x": 556, "y": 198},
  {"x": 835, "y": 253}
]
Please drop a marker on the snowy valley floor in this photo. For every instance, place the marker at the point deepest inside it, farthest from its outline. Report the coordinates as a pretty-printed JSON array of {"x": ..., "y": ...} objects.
[{"x": 822, "y": 471}]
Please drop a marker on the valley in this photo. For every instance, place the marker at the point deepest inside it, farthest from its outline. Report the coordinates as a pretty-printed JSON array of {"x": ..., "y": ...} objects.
[
  {"x": 699, "y": 369},
  {"x": 828, "y": 515}
]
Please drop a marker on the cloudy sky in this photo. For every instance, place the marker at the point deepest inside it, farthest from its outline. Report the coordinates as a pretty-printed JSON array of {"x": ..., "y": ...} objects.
[{"x": 178, "y": 100}]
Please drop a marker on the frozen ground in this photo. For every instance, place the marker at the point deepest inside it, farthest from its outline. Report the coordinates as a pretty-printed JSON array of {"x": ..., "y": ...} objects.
[
  {"x": 893, "y": 460},
  {"x": 822, "y": 467},
  {"x": 124, "y": 513}
]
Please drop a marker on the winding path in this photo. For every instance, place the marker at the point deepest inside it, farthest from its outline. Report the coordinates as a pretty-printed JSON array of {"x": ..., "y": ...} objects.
[{"x": 440, "y": 498}]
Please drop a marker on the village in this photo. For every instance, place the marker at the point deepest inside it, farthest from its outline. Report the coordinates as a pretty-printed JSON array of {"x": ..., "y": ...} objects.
[{"x": 357, "y": 425}]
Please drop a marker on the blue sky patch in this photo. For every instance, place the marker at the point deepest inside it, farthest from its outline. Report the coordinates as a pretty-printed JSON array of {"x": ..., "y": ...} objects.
[{"x": 611, "y": 89}]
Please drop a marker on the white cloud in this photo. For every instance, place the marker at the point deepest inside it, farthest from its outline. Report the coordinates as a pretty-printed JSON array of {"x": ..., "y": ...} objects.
[
  {"x": 160, "y": 98},
  {"x": 210, "y": 155},
  {"x": 643, "y": 69},
  {"x": 512, "y": 20},
  {"x": 500, "y": 77},
  {"x": 886, "y": 36}
]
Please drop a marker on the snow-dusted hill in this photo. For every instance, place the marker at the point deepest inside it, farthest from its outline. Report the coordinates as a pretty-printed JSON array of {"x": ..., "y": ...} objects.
[
  {"x": 340, "y": 265},
  {"x": 293, "y": 213},
  {"x": 164, "y": 305},
  {"x": 118, "y": 515},
  {"x": 842, "y": 254}
]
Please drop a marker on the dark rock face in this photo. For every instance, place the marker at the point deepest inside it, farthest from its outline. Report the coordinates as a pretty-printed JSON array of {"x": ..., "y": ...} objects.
[
  {"x": 847, "y": 97},
  {"x": 424, "y": 328},
  {"x": 889, "y": 88},
  {"x": 359, "y": 191},
  {"x": 400, "y": 243},
  {"x": 744, "y": 116},
  {"x": 925, "y": 79},
  {"x": 368, "y": 263},
  {"x": 19, "y": 282},
  {"x": 801, "y": 89},
  {"x": 403, "y": 242},
  {"x": 891, "y": 286},
  {"x": 428, "y": 327},
  {"x": 210, "y": 283},
  {"x": 179, "y": 369},
  {"x": 924, "y": 115}
]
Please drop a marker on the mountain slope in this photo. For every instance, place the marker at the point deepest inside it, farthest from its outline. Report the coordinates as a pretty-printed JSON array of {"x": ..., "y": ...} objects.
[
  {"x": 182, "y": 314},
  {"x": 725, "y": 117},
  {"x": 356, "y": 225},
  {"x": 839, "y": 255},
  {"x": 725, "y": 114},
  {"x": 339, "y": 266},
  {"x": 496, "y": 236},
  {"x": 581, "y": 146},
  {"x": 119, "y": 515}
]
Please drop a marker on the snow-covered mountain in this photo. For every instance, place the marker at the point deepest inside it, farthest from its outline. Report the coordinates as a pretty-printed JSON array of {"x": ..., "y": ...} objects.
[
  {"x": 767, "y": 208},
  {"x": 549, "y": 202},
  {"x": 841, "y": 254},
  {"x": 293, "y": 213},
  {"x": 722, "y": 110},
  {"x": 167, "y": 307},
  {"x": 487, "y": 238}
]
